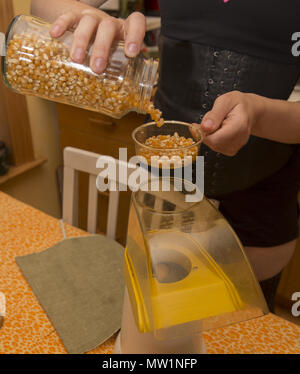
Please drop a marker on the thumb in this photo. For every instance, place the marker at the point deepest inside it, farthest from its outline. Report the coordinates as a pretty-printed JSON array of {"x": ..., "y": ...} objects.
[
  {"x": 210, "y": 123},
  {"x": 213, "y": 119}
]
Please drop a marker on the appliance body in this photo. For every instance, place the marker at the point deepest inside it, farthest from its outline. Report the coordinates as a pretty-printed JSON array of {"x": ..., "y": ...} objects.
[{"x": 185, "y": 272}]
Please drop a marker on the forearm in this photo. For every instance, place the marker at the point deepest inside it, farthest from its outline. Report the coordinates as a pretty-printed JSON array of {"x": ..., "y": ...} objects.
[
  {"x": 276, "y": 120},
  {"x": 50, "y": 10}
]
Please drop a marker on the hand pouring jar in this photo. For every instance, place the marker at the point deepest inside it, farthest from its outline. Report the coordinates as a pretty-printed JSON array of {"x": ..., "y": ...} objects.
[{"x": 36, "y": 64}]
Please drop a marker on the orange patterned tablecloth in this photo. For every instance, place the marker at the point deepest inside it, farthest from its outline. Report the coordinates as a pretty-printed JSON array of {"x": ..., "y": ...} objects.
[{"x": 27, "y": 329}]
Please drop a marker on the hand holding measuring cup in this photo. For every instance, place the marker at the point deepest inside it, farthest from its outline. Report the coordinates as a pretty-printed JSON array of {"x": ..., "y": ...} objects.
[{"x": 227, "y": 127}]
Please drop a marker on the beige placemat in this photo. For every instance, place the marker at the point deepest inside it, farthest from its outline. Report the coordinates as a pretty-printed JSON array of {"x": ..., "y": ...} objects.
[{"x": 79, "y": 283}]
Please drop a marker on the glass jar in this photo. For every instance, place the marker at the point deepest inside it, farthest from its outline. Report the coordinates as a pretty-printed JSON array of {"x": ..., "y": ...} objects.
[{"x": 36, "y": 64}]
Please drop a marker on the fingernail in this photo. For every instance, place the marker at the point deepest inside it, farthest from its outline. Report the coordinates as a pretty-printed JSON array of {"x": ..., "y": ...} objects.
[
  {"x": 56, "y": 30},
  {"x": 208, "y": 123},
  {"x": 132, "y": 49},
  {"x": 99, "y": 65},
  {"x": 78, "y": 55}
]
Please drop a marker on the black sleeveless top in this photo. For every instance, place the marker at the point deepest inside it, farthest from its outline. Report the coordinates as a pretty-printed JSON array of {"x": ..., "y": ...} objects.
[
  {"x": 208, "y": 48},
  {"x": 261, "y": 28}
]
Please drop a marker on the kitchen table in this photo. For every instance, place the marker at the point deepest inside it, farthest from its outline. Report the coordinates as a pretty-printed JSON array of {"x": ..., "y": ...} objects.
[{"x": 25, "y": 230}]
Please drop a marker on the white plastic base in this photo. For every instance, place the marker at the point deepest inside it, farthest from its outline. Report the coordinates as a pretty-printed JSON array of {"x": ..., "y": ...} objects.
[
  {"x": 130, "y": 340},
  {"x": 118, "y": 350},
  {"x": 117, "y": 347}
]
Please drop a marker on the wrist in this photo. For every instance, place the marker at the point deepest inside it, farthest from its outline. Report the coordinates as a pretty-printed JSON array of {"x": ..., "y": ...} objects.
[{"x": 257, "y": 109}]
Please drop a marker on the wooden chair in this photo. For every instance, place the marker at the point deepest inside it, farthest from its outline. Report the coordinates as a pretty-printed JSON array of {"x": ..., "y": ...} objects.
[{"x": 79, "y": 160}]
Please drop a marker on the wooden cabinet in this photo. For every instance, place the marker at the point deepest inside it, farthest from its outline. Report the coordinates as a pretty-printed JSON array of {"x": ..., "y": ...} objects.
[{"x": 98, "y": 133}]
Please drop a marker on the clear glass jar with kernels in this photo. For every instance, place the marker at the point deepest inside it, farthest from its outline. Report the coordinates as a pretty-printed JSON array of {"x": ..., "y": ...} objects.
[{"x": 36, "y": 64}]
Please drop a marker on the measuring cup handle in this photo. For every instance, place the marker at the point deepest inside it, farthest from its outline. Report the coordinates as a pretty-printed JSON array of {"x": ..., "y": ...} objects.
[{"x": 197, "y": 132}]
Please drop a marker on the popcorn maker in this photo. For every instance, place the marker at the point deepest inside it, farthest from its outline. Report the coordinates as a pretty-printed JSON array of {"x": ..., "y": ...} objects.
[{"x": 185, "y": 271}]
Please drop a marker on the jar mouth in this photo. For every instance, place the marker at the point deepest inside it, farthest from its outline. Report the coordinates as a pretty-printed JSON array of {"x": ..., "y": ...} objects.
[
  {"x": 146, "y": 81},
  {"x": 195, "y": 144}
]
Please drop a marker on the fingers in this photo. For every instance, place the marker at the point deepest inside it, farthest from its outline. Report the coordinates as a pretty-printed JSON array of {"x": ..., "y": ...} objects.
[
  {"x": 135, "y": 28},
  {"x": 106, "y": 29},
  {"x": 82, "y": 36},
  {"x": 62, "y": 24},
  {"x": 223, "y": 105},
  {"x": 107, "y": 32},
  {"x": 233, "y": 134}
]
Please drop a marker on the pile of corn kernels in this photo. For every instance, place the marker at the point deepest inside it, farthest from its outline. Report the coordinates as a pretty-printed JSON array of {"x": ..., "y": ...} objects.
[
  {"x": 41, "y": 66},
  {"x": 169, "y": 150}
]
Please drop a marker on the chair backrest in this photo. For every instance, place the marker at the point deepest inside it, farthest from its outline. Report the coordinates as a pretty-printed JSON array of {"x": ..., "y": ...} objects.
[{"x": 79, "y": 160}]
